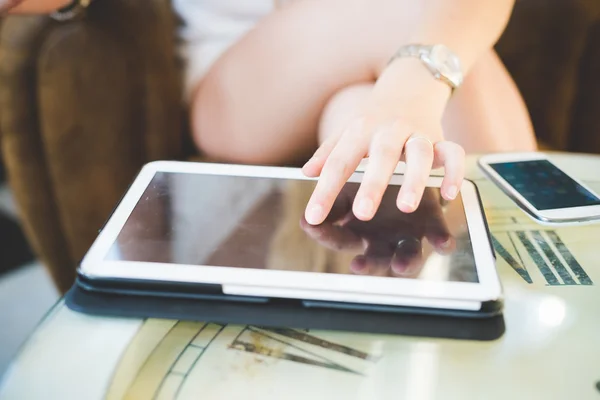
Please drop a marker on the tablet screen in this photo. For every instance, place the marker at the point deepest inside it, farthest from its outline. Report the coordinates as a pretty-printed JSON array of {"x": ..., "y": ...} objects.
[{"x": 248, "y": 222}]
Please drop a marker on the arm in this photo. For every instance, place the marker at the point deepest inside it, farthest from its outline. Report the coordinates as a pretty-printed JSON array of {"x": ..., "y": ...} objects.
[
  {"x": 31, "y": 6},
  {"x": 468, "y": 27},
  {"x": 402, "y": 116}
]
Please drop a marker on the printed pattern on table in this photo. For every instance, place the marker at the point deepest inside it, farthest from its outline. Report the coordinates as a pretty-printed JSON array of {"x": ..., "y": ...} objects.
[
  {"x": 163, "y": 354},
  {"x": 159, "y": 359},
  {"x": 526, "y": 245},
  {"x": 169, "y": 359}
]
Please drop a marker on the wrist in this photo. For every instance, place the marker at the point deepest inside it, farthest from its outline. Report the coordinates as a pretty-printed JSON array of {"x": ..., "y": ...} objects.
[{"x": 410, "y": 83}]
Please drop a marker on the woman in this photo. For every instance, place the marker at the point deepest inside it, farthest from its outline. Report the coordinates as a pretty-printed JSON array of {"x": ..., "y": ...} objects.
[{"x": 268, "y": 82}]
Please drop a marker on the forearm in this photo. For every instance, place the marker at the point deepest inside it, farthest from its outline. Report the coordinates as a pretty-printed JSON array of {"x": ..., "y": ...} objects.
[
  {"x": 31, "y": 6},
  {"x": 468, "y": 27},
  {"x": 8, "y": 5}
]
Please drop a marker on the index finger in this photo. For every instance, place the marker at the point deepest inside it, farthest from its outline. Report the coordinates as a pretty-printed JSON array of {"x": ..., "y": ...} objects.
[
  {"x": 331, "y": 236},
  {"x": 338, "y": 168}
]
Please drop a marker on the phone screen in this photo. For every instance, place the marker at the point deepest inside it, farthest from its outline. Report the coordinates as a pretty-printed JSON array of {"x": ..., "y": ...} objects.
[{"x": 544, "y": 185}]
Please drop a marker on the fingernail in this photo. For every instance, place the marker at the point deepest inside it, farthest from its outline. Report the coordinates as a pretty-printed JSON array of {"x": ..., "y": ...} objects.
[
  {"x": 359, "y": 265},
  {"x": 410, "y": 200},
  {"x": 452, "y": 192},
  {"x": 365, "y": 207},
  {"x": 404, "y": 269},
  {"x": 446, "y": 244},
  {"x": 314, "y": 214}
]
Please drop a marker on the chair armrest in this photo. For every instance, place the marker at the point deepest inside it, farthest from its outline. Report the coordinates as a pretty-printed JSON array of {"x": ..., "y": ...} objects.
[{"x": 84, "y": 104}]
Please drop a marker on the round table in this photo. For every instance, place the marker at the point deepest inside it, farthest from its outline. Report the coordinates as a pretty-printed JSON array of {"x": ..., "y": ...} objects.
[{"x": 550, "y": 350}]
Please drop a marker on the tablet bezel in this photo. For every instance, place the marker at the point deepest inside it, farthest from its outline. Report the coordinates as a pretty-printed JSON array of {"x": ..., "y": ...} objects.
[{"x": 313, "y": 285}]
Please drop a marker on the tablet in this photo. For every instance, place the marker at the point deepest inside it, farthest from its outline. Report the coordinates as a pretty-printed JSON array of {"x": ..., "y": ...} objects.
[{"x": 239, "y": 232}]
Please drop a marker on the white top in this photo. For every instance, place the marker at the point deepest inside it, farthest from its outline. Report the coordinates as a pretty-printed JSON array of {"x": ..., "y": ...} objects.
[{"x": 210, "y": 27}]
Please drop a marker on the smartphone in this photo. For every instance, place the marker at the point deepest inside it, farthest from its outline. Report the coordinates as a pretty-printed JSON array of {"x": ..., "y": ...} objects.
[{"x": 540, "y": 188}]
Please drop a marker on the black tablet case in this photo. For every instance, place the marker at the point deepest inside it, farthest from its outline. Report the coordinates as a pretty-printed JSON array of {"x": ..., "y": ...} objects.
[
  {"x": 284, "y": 314},
  {"x": 119, "y": 298}
]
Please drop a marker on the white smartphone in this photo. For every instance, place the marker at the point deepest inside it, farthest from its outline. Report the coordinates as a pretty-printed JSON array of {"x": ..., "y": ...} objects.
[{"x": 540, "y": 188}]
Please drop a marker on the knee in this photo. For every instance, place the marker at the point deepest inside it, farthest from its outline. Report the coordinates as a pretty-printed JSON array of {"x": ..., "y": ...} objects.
[
  {"x": 529, "y": 144},
  {"x": 216, "y": 132},
  {"x": 208, "y": 127}
]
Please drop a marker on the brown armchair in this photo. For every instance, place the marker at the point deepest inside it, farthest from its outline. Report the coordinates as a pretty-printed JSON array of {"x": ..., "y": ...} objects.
[{"x": 84, "y": 104}]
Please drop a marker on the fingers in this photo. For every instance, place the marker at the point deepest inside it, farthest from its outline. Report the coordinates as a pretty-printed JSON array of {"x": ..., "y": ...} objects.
[
  {"x": 419, "y": 160},
  {"x": 405, "y": 259},
  {"x": 436, "y": 227},
  {"x": 339, "y": 166},
  {"x": 440, "y": 238},
  {"x": 408, "y": 258},
  {"x": 314, "y": 166},
  {"x": 332, "y": 237},
  {"x": 384, "y": 153},
  {"x": 444, "y": 247},
  {"x": 375, "y": 261},
  {"x": 360, "y": 265},
  {"x": 341, "y": 210},
  {"x": 452, "y": 157},
  {"x": 338, "y": 157}
]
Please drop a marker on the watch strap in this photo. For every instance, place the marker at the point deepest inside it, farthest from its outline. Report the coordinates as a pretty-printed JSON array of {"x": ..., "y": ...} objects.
[
  {"x": 411, "y": 50},
  {"x": 421, "y": 51},
  {"x": 72, "y": 10}
]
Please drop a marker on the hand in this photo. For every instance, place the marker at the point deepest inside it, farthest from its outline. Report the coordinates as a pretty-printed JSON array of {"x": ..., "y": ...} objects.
[
  {"x": 392, "y": 243},
  {"x": 401, "y": 120}
]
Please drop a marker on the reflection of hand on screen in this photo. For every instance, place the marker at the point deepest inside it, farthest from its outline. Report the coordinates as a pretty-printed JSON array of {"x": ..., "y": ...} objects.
[{"x": 391, "y": 243}]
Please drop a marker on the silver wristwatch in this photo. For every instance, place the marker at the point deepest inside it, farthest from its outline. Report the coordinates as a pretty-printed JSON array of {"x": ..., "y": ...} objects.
[{"x": 439, "y": 59}]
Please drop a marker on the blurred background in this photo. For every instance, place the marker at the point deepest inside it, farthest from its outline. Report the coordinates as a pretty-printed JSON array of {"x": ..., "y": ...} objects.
[
  {"x": 84, "y": 103},
  {"x": 26, "y": 290}
]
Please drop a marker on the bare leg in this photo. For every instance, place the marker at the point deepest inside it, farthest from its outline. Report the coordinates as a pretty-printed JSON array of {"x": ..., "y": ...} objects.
[
  {"x": 263, "y": 100},
  {"x": 487, "y": 114}
]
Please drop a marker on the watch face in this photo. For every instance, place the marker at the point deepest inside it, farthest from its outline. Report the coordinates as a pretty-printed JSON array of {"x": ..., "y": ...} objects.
[{"x": 447, "y": 63}]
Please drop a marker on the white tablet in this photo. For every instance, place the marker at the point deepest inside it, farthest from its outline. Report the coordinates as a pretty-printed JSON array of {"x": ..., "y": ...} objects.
[{"x": 240, "y": 231}]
